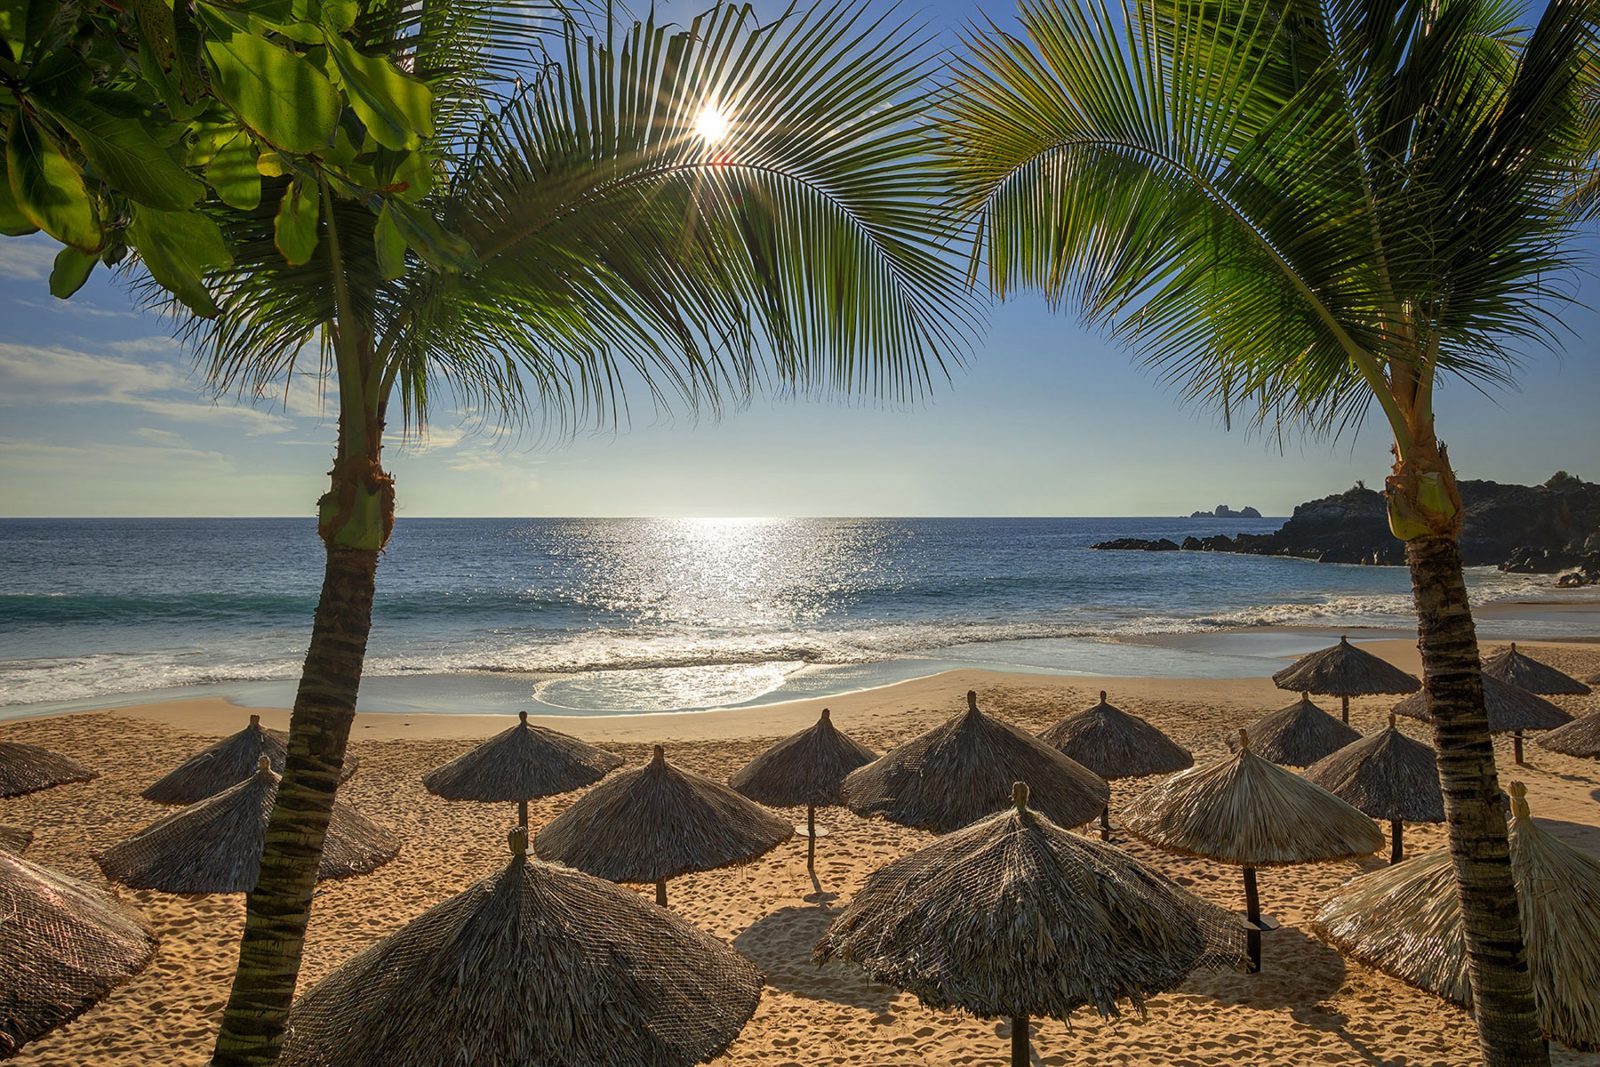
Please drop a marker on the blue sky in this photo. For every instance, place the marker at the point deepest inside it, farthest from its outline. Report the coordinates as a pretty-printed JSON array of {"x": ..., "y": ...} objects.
[{"x": 101, "y": 416}]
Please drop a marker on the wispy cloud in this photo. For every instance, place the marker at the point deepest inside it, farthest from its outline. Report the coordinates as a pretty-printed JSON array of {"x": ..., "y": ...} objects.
[{"x": 26, "y": 260}]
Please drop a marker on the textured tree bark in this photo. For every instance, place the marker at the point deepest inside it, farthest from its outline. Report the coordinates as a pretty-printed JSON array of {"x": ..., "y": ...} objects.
[{"x": 1502, "y": 989}]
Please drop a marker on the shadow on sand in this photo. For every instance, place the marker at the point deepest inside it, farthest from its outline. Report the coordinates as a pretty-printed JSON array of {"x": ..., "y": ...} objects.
[{"x": 781, "y": 944}]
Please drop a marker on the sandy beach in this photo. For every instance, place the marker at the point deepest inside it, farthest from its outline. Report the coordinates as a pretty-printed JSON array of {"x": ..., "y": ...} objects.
[{"x": 1309, "y": 1006}]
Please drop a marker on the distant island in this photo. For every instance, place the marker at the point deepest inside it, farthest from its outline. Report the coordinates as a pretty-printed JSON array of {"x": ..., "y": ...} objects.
[
  {"x": 1552, "y": 528},
  {"x": 1223, "y": 511}
]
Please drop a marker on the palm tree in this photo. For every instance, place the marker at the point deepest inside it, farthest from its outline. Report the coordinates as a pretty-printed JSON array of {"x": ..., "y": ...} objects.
[
  {"x": 698, "y": 213},
  {"x": 1294, "y": 210}
]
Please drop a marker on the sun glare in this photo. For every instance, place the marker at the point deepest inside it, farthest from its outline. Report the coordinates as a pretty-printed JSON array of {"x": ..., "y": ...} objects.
[{"x": 711, "y": 125}]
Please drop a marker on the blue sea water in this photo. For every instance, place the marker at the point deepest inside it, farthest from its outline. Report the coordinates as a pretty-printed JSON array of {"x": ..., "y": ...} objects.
[{"x": 620, "y": 615}]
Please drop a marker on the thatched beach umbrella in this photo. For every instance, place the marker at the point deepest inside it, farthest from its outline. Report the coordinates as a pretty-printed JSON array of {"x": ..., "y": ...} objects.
[
  {"x": 1580, "y": 737},
  {"x": 1525, "y": 672},
  {"x": 1014, "y": 917},
  {"x": 804, "y": 768},
  {"x": 1387, "y": 776},
  {"x": 228, "y": 762},
  {"x": 535, "y": 966},
  {"x": 63, "y": 945},
  {"x": 1511, "y": 710},
  {"x": 214, "y": 846},
  {"x": 1244, "y": 810},
  {"x": 1344, "y": 671},
  {"x": 656, "y": 822},
  {"x": 963, "y": 770},
  {"x": 521, "y": 764},
  {"x": 1406, "y": 920},
  {"x": 29, "y": 768},
  {"x": 1114, "y": 744},
  {"x": 15, "y": 838},
  {"x": 1298, "y": 735}
]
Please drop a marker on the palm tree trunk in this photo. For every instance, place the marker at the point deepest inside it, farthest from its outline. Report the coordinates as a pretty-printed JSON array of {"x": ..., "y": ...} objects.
[{"x": 1502, "y": 989}]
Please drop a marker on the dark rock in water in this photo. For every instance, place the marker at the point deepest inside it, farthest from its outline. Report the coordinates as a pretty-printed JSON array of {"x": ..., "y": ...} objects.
[
  {"x": 1139, "y": 544},
  {"x": 1525, "y": 559},
  {"x": 1587, "y": 572},
  {"x": 1223, "y": 511}
]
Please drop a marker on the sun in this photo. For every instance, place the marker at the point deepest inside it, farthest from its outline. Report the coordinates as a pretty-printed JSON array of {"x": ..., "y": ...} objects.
[{"x": 711, "y": 125}]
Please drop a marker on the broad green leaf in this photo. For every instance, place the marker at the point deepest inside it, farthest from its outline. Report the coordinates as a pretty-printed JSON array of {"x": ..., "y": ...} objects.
[
  {"x": 48, "y": 187},
  {"x": 178, "y": 248},
  {"x": 398, "y": 110},
  {"x": 339, "y": 15},
  {"x": 389, "y": 245},
  {"x": 294, "y": 228},
  {"x": 71, "y": 270},
  {"x": 411, "y": 176},
  {"x": 24, "y": 22},
  {"x": 13, "y": 223},
  {"x": 271, "y": 165},
  {"x": 232, "y": 173},
  {"x": 125, "y": 156},
  {"x": 442, "y": 250},
  {"x": 276, "y": 92}
]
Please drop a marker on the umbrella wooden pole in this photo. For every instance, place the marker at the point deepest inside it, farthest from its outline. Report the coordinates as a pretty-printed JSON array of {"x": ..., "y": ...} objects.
[
  {"x": 1252, "y": 914},
  {"x": 1344, "y": 709},
  {"x": 1105, "y": 823},
  {"x": 1516, "y": 747},
  {"x": 1019, "y": 1041},
  {"x": 1397, "y": 849},
  {"x": 661, "y": 892},
  {"x": 811, "y": 837},
  {"x": 522, "y": 813}
]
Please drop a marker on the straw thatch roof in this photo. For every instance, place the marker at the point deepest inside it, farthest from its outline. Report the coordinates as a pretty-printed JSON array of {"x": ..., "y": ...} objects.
[
  {"x": 1509, "y": 708},
  {"x": 228, "y": 762},
  {"x": 1406, "y": 920},
  {"x": 1298, "y": 735},
  {"x": 214, "y": 846},
  {"x": 1387, "y": 776},
  {"x": 963, "y": 770},
  {"x": 1114, "y": 744},
  {"x": 1523, "y": 671},
  {"x": 659, "y": 821},
  {"x": 1014, "y": 916},
  {"x": 805, "y": 768},
  {"x": 535, "y": 966},
  {"x": 15, "y": 838},
  {"x": 29, "y": 768},
  {"x": 63, "y": 945},
  {"x": 522, "y": 763},
  {"x": 1580, "y": 737},
  {"x": 1344, "y": 671},
  {"x": 1242, "y": 809}
]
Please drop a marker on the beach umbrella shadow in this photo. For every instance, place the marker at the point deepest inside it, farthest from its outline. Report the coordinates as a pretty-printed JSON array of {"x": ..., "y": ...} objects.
[
  {"x": 780, "y": 944},
  {"x": 1302, "y": 973}
]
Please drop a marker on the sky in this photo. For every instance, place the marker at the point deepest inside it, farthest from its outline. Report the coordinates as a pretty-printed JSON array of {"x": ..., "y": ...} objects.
[{"x": 101, "y": 415}]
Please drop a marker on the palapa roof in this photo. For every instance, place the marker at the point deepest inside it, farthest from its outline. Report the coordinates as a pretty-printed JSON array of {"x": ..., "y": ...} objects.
[
  {"x": 1387, "y": 776},
  {"x": 29, "y": 768},
  {"x": 659, "y": 821},
  {"x": 535, "y": 966},
  {"x": 1298, "y": 735},
  {"x": 1523, "y": 671},
  {"x": 214, "y": 846},
  {"x": 63, "y": 945},
  {"x": 1406, "y": 920},
  {"x": 1580, "y": 737},
  {"x": 1509, "y": 708},
  {"x": 1114, "y": 744},
  {"x": 1242, "y": 809},
  {"x": 963, "y": 770},
  {"x": 522, "y": 763},
  {"x": 1015, "y": 916},
  {"x": 804, "y": 768},
  {"x": 228, "y": 762},
  {"x": 1344, "y": 670},
  {"x": 15, "y": 838}
]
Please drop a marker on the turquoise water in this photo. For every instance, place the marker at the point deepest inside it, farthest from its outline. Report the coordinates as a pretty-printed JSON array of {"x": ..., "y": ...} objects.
[{"x": 620, "y": 615}]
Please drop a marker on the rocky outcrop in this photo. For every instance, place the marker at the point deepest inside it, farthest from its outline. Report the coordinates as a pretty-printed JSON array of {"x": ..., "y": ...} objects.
[
  {"x": 1223, "y": 511},
  {"x": 1538, "y": 529}
]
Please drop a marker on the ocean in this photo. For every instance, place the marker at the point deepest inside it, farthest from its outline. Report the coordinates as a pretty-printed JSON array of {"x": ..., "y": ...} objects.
[{"x": 601, "y": 616}]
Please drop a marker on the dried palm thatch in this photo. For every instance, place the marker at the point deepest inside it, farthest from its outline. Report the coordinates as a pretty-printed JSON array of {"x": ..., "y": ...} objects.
[
  {"x": 63, "y": 945},
  {"x": 214, "y": 846},
  {"x": 1580, "y": 737},
  {"x": 1014, "y": 917},
  {"x": 1523, "y": 671},
  {"x": 1344, "y": 671},
  {"x": 804, "y": 768},
  {"x": 228, "y": 762},
  {"x": 963, "y": 770},
  {"x": 15, "y": 838},
  {"x": 29, "y": 768},
  {"x": 1387, "y": 776},
  {"x": 1114, "y": 744},
  {"x": 521, "y": 764},
  {"x": 535, "y": 966},
  {"x": 656, "y": 822},
  {"x": 1511, "y": 710},
  {"x": 1244, "y": 810},
  {"x": 1406, "y": 920},
  {"x": 1298, "y": 735}
]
